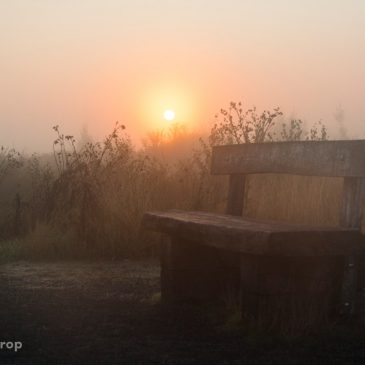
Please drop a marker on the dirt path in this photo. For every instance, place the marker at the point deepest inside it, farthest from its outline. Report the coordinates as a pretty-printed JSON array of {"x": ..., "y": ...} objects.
[{"x": 108, "y": 313}]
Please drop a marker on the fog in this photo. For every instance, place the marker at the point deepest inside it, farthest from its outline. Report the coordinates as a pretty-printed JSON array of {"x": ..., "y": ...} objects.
[{"x": 86, "y": 64}]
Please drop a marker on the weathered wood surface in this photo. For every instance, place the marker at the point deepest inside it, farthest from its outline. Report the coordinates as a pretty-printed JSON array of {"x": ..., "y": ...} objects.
[
  {"x": 256, "y": 237},
  {"x": 197, "y": 273},
  {"x": 311, "y": 158},
  {"x": 353, "y": 199},
  {"x": 290, "y": 291}
]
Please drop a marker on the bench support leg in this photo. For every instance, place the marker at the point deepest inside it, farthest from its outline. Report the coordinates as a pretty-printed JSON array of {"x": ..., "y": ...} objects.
[
  {"x": 289, "y": 292},
  {"x": 349, "y": 285},
  {"x": 194, "y": 273}
]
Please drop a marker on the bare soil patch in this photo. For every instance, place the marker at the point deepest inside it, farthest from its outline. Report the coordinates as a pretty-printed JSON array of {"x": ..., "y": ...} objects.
[{"x": 109, "y": 313}]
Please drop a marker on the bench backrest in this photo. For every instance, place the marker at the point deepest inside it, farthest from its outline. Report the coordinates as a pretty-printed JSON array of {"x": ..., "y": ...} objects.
[{"x": 312, "y": 158}]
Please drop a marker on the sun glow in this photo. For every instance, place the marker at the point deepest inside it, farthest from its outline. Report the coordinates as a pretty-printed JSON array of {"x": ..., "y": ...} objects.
[
  {"x": 169, "y": 115},
  {"x": 161, "y": 105}
]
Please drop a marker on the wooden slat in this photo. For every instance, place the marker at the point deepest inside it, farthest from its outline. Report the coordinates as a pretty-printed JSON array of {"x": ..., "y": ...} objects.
[
  {"x": 312, "y": 158},
  {"x": 187, "y": 270},
  {"x": 236, "y": 192},
  {"x": 353, "y": 199},
  {"x": 255, "y": 237}
]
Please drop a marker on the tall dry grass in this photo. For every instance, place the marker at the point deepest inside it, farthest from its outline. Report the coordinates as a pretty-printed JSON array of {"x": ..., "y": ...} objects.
[
  {"x": 91, "y": 197},
  {"x": 297, "y": 199}
]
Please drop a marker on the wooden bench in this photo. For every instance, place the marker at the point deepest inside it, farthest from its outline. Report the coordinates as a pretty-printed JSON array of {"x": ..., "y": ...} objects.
[{"x": 279, "y": 271}]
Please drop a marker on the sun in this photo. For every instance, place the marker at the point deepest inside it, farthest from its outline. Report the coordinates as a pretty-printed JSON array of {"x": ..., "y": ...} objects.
[{"x": 169, "y": 114}]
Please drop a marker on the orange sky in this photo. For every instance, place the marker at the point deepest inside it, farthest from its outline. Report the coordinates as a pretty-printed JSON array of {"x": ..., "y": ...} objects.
[{"x": 91, "y": 62}]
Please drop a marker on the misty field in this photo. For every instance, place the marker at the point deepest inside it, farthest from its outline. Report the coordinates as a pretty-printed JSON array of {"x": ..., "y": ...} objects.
[
  {"x": 80, "y": 278},
  {"x": 87, "y": 198}
]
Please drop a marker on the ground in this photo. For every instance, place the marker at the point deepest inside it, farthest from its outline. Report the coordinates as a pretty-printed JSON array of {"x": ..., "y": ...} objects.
[{"x": 109, "y": 313}]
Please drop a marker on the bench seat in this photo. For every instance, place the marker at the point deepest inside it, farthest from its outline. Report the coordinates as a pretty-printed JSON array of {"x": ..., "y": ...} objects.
[
  {"x": 279, "y": 274},
  {"x": 250, "y": 236}
]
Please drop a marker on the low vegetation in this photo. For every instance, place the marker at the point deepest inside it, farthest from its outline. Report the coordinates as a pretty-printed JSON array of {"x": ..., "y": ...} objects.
[{"x": 87, "y": 199}]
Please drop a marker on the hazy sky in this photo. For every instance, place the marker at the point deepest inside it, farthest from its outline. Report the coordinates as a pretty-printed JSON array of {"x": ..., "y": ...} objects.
[{"x": 89, "y": 63}]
